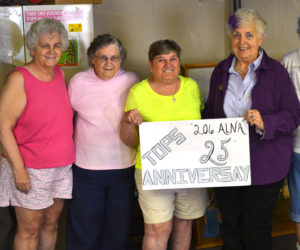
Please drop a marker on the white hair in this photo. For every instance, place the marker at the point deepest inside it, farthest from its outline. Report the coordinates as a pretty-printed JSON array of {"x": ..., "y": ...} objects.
[
  {"x": 44, "y": 26},
  {"x": 245, "y": 16}
]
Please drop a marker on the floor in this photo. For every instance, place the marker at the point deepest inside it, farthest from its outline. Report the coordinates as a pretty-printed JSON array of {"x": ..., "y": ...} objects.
[
  {"x": 281, "y": 226},
  {"x": 283, "y": 230},
  {"x": 287, "y": 242}
]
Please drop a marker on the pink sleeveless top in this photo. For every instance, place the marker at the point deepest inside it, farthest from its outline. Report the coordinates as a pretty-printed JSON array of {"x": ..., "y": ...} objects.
[{"x": 44, "y": 130}]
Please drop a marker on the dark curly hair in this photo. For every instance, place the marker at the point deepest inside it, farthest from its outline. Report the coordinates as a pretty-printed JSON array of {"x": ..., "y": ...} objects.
[{"x": 163, "y": 47}]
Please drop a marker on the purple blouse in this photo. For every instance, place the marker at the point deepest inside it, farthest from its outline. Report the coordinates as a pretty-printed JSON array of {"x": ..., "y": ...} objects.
[{"x": 275, "y": 97}]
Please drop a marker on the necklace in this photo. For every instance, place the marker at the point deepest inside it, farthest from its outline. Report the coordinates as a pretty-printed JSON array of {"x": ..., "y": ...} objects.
[
  {"x": 241, "y": 72},
  {"x": 173, "y": 96}
]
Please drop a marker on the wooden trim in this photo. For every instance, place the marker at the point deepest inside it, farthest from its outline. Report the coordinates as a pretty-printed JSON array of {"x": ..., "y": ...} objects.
[
  {"x": 185, "y": 67},
  {"x": 199, "y": 65}
]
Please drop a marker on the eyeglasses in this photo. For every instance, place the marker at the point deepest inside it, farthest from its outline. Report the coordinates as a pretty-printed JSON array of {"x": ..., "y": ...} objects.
[{"x": 104, "y": 58}]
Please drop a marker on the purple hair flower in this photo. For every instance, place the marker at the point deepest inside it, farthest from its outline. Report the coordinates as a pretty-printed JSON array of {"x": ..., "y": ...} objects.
[{"x": 233, "y": 22}]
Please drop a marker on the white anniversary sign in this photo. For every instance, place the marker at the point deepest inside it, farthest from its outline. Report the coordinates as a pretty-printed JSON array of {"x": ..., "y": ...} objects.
[{"x": 196, "y": 153}]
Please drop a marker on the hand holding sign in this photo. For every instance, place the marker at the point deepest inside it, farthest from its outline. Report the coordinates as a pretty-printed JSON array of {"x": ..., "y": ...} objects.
[{"x": 134, "y": 117}]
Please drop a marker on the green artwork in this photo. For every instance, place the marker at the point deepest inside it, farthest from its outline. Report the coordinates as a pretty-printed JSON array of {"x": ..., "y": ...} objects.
[{"x": 70, "y": 56}]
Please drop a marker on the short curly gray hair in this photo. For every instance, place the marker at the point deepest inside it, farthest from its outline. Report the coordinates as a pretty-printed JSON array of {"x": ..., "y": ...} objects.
[
  {"x": 102, "y": 41},
  {"x": 46, "y": 26},
  {"x": 245, "y": 16}
]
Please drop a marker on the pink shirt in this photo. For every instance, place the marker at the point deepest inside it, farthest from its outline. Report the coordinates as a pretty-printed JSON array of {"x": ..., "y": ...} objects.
[
  {"x": 99, "y": 108},
  {"x": 44, "y": 130}
]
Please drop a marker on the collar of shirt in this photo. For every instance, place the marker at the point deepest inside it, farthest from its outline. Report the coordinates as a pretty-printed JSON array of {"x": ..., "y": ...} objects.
[
  {"x": 252, "y": 67},
  {"x": 238, "y": 95}
]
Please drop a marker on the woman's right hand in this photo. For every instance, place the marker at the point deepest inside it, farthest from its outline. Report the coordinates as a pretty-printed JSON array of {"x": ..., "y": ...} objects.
[
  {"x": 134, "y": 117},
  {"x": 22, "y": 182},
  {"x": 129, "y": 128}
]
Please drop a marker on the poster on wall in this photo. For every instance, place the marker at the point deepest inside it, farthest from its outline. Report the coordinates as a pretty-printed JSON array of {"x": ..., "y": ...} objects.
[{"x": 196, "y": 153}]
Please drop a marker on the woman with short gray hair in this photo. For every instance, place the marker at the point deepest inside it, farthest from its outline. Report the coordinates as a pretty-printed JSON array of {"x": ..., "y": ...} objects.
[
  {"x": 252, "y": 85},
  {"x": 36, "y": 135}
]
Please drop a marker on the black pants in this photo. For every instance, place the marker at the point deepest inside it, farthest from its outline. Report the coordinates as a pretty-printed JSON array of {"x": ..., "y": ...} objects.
[
  {"x": 247, "y": 214},
  {"x": 8, "y": 226},
  {"x": 101, "y": 210}
]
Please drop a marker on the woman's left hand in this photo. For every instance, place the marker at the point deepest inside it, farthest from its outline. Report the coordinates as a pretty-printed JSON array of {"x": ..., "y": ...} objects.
[{"x": 253, "y": 117}]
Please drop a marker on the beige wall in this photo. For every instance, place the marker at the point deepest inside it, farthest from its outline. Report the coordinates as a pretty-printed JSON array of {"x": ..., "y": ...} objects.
[
  {"x": 197, "y": 26},
  {"x": 281, "y": 17},
  {"x": 4, "y": 69}
]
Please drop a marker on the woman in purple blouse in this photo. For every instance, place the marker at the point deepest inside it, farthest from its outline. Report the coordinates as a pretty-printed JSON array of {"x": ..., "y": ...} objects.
[{"x": 252, "y": 85}]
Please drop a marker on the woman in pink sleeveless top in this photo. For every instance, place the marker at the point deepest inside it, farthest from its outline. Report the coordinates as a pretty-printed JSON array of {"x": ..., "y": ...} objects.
[{"x": 36, "y": 139}]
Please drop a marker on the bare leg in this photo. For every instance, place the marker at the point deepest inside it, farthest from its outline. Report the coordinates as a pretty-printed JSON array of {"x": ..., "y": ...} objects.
[
  {"x": 182, "y": 234},
  {"x": 157, "y": 235},
  {"x": 28, "y": 226},
  {"x": 48, "y": 232}
]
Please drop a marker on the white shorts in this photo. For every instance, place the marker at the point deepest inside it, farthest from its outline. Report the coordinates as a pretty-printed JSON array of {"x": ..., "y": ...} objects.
[
  {"x": 45, "y": 185},
  {"x": 161, "y": 205}
]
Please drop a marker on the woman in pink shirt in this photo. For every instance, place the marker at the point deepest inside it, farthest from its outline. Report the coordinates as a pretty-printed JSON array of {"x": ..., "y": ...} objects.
[
  {"x": 36, "y": 139},
  {"x": 100, "y": 211}
]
